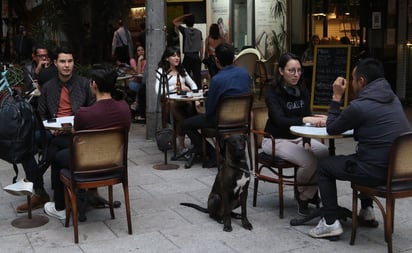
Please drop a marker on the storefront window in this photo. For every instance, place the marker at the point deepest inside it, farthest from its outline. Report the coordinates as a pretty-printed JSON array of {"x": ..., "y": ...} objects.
[{"x": 335, "y": 21}]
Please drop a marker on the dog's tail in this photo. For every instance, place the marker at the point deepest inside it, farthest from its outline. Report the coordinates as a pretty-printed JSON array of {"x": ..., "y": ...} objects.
[{"x": 199, "y": 208}]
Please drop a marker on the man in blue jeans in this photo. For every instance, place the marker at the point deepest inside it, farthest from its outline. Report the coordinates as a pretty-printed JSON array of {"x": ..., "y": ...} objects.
[
  {"x": 229, "y": 81},
  {"x": 377, "y": 118}
]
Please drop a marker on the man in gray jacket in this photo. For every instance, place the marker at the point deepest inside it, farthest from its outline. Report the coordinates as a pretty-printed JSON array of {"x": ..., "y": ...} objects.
[{"x": 377, "y": 118}]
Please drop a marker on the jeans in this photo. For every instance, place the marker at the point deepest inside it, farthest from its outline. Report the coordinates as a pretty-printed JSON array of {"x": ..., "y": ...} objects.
[
  {"x": 192, "y": 125},
  {"x": 33, "y": 173},
  {"x": 341, "y": 167}
]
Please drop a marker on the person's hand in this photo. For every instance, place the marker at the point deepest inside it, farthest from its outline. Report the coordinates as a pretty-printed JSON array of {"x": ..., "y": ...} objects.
[
  {"x": 318, "y": 120},
  {"x": 339, "y": 88}
]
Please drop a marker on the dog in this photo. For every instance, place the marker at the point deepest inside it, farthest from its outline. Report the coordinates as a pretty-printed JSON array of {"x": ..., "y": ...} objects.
[{"x": 230, "y": 188}]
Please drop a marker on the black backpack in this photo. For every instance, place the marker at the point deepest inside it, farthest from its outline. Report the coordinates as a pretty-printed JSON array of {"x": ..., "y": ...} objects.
[{"x": 17, "y": 121}]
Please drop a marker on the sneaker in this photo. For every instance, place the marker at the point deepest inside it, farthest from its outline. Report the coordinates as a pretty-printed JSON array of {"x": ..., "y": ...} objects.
[
  {"x": 323, "y": 230},
  {"x": 37, "y": 201},
  {"x": 366, "y": 217},
  {"x": 20, "y": 188},
  {"x": 50, "y": 209}
]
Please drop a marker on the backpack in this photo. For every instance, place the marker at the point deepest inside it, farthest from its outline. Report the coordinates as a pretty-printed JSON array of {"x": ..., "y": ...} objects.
[{"x": 16, "y": 127}]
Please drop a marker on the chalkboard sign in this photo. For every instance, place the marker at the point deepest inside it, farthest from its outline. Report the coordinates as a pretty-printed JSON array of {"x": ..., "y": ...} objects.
[{"x": 330, "y": 62}]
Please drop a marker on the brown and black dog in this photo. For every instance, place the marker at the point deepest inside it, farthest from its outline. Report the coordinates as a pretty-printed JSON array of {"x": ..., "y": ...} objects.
[{"x": 230, "y": 188}]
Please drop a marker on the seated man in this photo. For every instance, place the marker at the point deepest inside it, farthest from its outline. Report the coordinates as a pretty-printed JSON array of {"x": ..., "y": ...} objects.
[
  {"x": 376, "y": 115},
  {"x": 105, "y": 113},
  {"x": 229, "y": 81}
]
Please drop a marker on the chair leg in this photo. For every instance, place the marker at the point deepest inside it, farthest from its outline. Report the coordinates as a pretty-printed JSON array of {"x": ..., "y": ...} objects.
[
  {"x": 217, "y": 151},
  {"x": 280, "y": 187},
  {"x": 255, "y": 190},
  {"x": 74, "y": 216},
  {"x": 250, "y": 151},
  {"x": 111, "y": 201},
  {"x": 388, "y": 219},
  {"x": 67, "y": 202},
  {"x": 354, "y": 216},
  {"x": 127, "y": 204},
  {"x": 203, "y": 151}
]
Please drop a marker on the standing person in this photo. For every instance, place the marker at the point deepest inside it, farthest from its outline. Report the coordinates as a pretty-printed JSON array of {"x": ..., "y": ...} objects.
[
  {"x": 212, "y": 41},
  {"x": 229, "y": 81},
  {"x": 137, "y": 84},
  {"x": 122, "y": 45},
  {"x": 288, "y": 105},
  {"x": 192, "y": 46},
  {"x": 141, "y": 37},
  {"x": 171, "y": 64},
  {"x": 23, "y": 45},
  {"x": 377, "y": 118},
  {"x": 105, "y": 113}
]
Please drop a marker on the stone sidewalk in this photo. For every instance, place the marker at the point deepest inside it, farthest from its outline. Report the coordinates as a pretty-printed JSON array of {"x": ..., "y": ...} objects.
[{"x": 160, "y": 224}]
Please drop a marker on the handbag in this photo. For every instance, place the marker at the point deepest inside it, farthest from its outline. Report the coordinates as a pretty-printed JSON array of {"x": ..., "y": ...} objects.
[{"x": 164, "y": 138}]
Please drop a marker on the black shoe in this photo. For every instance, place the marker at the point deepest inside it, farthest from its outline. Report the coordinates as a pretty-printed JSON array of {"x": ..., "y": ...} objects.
[
  {"x": 303, "y": 209},
  {"x": 315, "y": 200}
]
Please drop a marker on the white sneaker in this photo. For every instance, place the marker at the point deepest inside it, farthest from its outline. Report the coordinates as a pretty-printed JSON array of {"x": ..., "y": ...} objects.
[
  {"x": 367, "y": 213},
  {"x": 20, "y": 188},
  {"x": 50, "y": 209},
  {"x": 325, "y": 230}
]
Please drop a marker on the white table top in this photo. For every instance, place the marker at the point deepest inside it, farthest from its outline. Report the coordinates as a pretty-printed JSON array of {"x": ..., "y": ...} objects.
[
  {"x": 58, "y": 123},
  {"x": 195, "y": 96},
  {"x": 317, "y": 132}
]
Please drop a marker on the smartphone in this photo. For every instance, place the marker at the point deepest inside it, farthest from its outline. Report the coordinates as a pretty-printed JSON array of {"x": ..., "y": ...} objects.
[
  {"x": 52, "y": 120},
  {"x": 66, "y": 125}
]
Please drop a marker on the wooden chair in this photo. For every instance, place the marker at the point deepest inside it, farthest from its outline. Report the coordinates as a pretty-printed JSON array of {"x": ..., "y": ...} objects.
[
  {"x": 398, "y": 185},
  {"x": 271, "y": 163},
  {"x": 248, "y": 59},
  {"x": 232, "y": 117},
  {"x": 97, "y": 158},
  {"x": 267, "y": 71}
]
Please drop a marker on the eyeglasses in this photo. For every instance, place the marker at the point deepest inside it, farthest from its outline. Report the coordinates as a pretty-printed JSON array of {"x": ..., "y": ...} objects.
[{"x": 294, "y": 71}]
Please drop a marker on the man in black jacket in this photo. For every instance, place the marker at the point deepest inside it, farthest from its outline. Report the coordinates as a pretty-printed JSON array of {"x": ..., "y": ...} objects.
[{"x": 377, "y": 118}]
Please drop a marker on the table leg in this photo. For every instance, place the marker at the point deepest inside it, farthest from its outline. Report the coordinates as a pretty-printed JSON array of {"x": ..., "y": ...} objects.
[{"x": 332, "y": 147}]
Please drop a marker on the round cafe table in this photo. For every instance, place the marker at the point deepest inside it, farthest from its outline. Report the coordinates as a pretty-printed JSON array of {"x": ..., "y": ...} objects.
[{"x": 319, "y": 133}]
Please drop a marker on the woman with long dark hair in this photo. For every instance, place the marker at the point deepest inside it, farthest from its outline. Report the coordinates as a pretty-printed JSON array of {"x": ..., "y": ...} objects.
[
  {"x": 288, "y": 105},
  {"x": 170, "y": 64}
]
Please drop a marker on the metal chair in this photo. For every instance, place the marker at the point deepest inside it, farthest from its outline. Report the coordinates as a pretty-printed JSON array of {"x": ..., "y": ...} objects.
[
  {"x": 232, "y": 117},
  {"x": 398, "y": 185},
  {"x": 273, "y": 164},
  {"x": 97, "y": 158}
]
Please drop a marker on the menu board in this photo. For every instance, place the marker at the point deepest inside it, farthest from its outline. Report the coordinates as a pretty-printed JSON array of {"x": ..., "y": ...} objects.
[{"x": 330, "y": 62}]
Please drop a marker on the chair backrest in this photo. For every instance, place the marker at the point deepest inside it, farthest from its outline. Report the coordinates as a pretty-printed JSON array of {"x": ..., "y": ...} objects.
[
  {"x": 99, "y": 151},
  {"x": 234, "y": 111},
  {"x": 270, "y": 66},
  {"x": 248, "y": 59},
  {"x": 259, "y": 118},
  {"x": 400, "y": 161}
]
